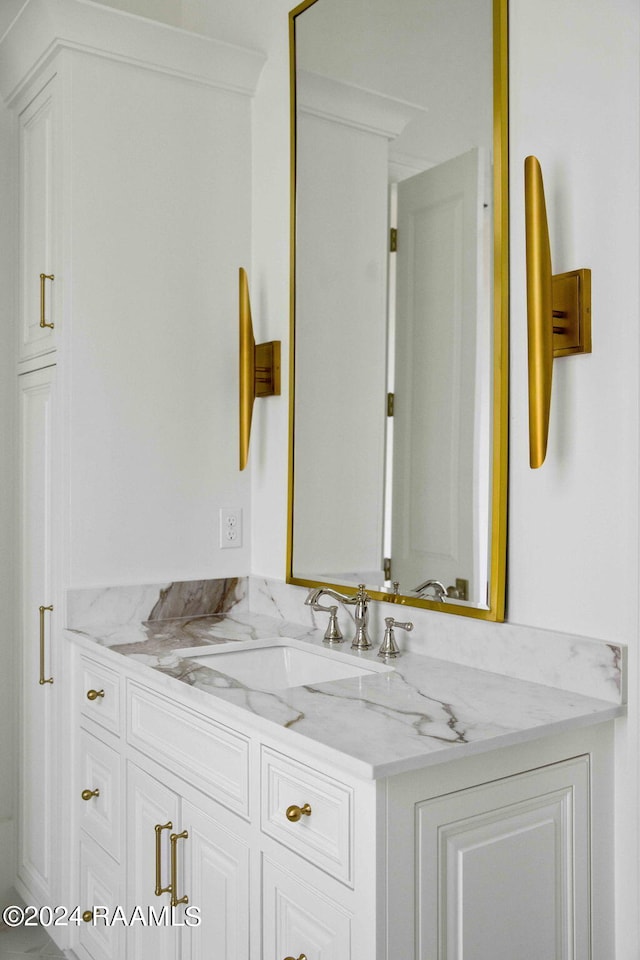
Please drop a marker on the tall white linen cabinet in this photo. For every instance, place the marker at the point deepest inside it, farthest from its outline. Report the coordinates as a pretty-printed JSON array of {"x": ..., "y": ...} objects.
[{"x": 133, "y": 158}]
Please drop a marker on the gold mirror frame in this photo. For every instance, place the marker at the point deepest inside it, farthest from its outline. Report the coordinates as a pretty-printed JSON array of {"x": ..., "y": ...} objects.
[{"x": 497, "y": 565}]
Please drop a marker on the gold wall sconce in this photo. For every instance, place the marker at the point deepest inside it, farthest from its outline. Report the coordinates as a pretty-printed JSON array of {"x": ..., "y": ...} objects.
[
  {"x": 259, "y": 369},
  {"x": 558, "y": 312}
]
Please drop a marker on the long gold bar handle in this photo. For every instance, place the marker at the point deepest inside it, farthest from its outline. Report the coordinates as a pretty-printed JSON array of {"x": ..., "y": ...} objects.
[
  {"x": 43, "y": 277},
  {"x": 159, "y": 827},
  {"x": 175, "y": 899},
  {"x": 42, "y": 678}
]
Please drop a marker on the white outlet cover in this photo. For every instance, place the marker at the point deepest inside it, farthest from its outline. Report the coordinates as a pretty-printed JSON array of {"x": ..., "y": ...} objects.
[{"x": 230, "y": 527}]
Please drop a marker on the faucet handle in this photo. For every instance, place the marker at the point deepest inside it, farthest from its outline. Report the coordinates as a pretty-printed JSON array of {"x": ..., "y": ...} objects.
[
  {"x": 389, "y": 648},
  {"x": 332, "y": 633}
]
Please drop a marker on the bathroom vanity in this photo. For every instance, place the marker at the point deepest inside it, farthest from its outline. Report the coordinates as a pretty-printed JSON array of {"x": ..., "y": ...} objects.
[{"x": 429, "y": 810}]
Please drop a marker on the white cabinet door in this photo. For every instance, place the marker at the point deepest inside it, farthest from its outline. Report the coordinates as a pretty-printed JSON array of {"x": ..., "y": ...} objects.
[
  {"x": 216, "y": 881},
  {"x": 211, "y": 871},
  {"x": 37, "y": 811},
  {"x": 502, "y": 869},
  {"x": 298, "y": 920},
  {"x": 39, "y": 233},
  {"x": 150, "y": 804}
]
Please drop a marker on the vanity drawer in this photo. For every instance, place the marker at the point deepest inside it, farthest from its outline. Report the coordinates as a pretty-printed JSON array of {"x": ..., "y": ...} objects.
[
  {"x": 100, "y": 694},
  {"x": 325, "y": 835},
  {"x": 194, "y": 747},
  {"x": 100, "y": 770},
  {"x": 100, "y": 886}
]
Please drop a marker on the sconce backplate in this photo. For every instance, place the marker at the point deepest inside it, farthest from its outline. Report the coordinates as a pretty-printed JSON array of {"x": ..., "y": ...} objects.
[
  {"x": 267, "y": 369},
  {"x": 571, "y": 295}
]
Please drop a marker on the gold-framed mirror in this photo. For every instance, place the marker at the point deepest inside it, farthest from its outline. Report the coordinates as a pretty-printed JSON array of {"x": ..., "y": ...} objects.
[{"x": 399, "y": 301}]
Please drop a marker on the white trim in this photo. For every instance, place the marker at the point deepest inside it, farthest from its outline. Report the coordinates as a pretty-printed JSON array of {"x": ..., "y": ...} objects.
[{"x": 44, "y": 26}]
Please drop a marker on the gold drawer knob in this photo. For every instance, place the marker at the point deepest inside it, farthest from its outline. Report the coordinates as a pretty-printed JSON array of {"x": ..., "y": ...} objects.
[
  {"x": 87, "y": 794},
  {"x": 87, "y": 916},
  {"x": 94, "y": 694},
  {"x": 301, "y": 957},
  {"x": 294, "y": 814}
]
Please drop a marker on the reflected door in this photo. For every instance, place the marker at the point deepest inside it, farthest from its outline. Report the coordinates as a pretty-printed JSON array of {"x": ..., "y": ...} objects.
[{"x": 442, "y": 402}]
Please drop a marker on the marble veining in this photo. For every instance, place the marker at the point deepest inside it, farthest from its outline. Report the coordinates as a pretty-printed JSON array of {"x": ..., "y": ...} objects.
[
  {"x": 157, "y": 601},
  {"x": 578, "y": 664},
  {"x": 425, "y": 711}
]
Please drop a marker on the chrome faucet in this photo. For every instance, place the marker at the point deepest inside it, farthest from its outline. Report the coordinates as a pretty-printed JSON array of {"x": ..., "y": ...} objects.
[
  {"x": 360, "y": 600},
  {"x": 438, "y": 588}
]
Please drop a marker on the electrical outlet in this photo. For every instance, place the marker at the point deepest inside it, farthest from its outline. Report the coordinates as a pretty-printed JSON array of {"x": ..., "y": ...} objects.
[{"x": 230, "y": 528}]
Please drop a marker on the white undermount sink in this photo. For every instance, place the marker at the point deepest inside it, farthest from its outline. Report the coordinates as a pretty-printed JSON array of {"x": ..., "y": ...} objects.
[{"x": 280, "y": 663}]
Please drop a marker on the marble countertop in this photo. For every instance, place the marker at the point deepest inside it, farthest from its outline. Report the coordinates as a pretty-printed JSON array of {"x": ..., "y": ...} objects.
[{"x": 423, "y": 712}]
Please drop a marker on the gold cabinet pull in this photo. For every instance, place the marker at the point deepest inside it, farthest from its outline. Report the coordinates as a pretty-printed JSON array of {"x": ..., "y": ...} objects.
[
  {"x": 87, "y": 916},
  {"x": 43, "y": 277},
  {"x": 42, "y": 678},
  {"x": 94, "y": 694},
  {"x": 88, "y": 794},
  {"x": 175, "y": 899},
  {"x": 295, "y": 813},
  {"x": 301, "y": 957},
  {"x": 159, "y": 827}
]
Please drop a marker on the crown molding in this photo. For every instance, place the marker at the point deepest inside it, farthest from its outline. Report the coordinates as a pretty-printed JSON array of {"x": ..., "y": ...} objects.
[
  {"x": 44, "y": 26},
  {"x": 345, "y": 103}
]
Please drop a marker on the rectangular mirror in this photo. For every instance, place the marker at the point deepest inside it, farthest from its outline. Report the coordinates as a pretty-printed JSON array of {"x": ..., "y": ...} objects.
[{"x": 399, "y": 303}]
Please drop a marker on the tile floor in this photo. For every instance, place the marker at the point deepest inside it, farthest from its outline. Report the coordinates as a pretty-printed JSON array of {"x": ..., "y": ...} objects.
[{"x": 25, "y": 943}]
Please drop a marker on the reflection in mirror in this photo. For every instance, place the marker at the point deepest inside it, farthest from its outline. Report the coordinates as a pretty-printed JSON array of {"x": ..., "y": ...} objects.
[{"x": 399, "y": 314}]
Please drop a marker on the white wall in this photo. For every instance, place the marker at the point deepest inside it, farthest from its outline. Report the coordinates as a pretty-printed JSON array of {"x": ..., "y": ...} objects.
[
  {"x": 7, "y": 513},
  {"x": 573, "y": 535},
  {"x": 573, "y": 524}
]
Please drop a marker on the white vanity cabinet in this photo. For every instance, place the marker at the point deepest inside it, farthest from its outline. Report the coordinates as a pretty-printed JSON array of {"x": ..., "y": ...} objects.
[
  {"x": 502, "y": 854},
  {"x": 98, "y": 832},
  {"x": 129, "y": 804}
]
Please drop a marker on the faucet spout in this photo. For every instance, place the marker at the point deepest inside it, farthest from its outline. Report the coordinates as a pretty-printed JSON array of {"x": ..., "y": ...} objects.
[
  {"x": 314, "y": 596},
  {"x": 438, "y": 588}
]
